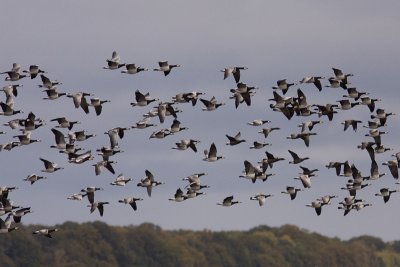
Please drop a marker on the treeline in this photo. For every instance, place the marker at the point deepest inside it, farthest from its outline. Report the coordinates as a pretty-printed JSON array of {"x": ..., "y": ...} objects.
[{"x": 98, "y": 244}]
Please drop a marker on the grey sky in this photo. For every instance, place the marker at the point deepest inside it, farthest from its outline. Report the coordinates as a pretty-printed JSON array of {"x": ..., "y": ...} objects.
[{"x": 274, "y": 39}]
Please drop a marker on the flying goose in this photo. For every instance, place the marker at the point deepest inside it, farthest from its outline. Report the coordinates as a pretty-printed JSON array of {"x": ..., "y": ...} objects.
[
  {"x": 326, "y": 110},
  {"x": 142, "y": 100},
  {"x": 382, "y": 115},
  {"x": 149, "y": 182},
  {"x": 352, "y": 123},
  {"x": 228, "y": 201},
  {"x": 336, "y": 83},
  {"x": 250, "y": 172},
  {"x": 296, "y": 158},
  {"x": 345, "y": 104},
  {"x": 80, "y": 100},
  {"x": 5, "y": 226},
  {"x": 308, "y": 125},
  {"x": 360, "y": 205},
  {"x": 113, "y": 63},
  {"x": 131, "y": 201},
  {"x": 292, "y": 191},
  {"x": 190, "y": 193},
  {"x": 160, "y": 134},
  {"x": 52, "y": 93},
  {"x": 339, "y": 74},
  {"x": 11, "y": 90},
  {"x": 269, "y": 161},
  {"x": 305, "y": 180},
  {"x": 305, "y": 136},
  {"x": 79, "y": 136},
  {"x": 13, "y": 76},
  {"x": 307, "y": 171},
  {"x": 98, "y": 205},
  {"x": 194, "y": 178},
  {"x": 165, "y": 67},
  {"x": 60, "y": 140},
  {"x": 385, "y": 193},
  {"x": 211, "y": 155},
  {"x": 186, "y": 143},
  {"x": 195, "y": 186},
  {"x": 120, "y": 180},
  {"x": 235, "y": 71},
  {"x": 142, "y": 124},
  {"x": 316, "y": 80},
  {"x": 77, "y": 196},
  {"x": 98, "y": 104},
  {"x": 267, "y": 131},
  {"x": 374, "y": 172},
  {"x": 114, "y": 134},
  {"x": 33, "y": 71},
  {"x": 45, "y": 232},
  {"x": 211, "y": 104},
  {"x": 165, "y": 109},
  {"x": 187, "y": 97},
  {"x": 258, "y": 122},
  {"x": 14, "y": 124},
  {"x": 234, "y": 140},
  {"x": 335, "y": 164},
  {"x": 10, "y": 145},
  {"x": 64, "y": 123},
  {"x": 283, "y": 85},
  {"x": 258, "y": 145},
  {"x": 47, "y": 83},
  {"x": 176, "y": 127},
  {"x": 353, "y": 93},
  {"x": 17, "y": 215},
  {"x": 32, "y": 178},
  {"x": 25, "y": 138},
  {"x": 133, "y": 69},
  {"x": 370, "y": 102},
  {"x": 50, "y": 167},
  {"x": 8, "y": 110},
  {"x": 104, "y": 163},
  {"x": 80, "y": 158},
  {"x": 260, "y": 197},
  {"x": 317, "y": 205},
  {"x": 393, "y": 167},
  {"x": 90, "y": 192},
  {"x": 326, "y": 200},
  {"x": 179, "y": 196}
]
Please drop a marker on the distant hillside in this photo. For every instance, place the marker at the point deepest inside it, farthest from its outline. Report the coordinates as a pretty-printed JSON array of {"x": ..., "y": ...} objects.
[{"x": 98, "y": 244}]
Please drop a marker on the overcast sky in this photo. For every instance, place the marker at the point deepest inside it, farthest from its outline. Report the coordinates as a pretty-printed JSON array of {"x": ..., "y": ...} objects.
[{"x": 275, "y": 40}]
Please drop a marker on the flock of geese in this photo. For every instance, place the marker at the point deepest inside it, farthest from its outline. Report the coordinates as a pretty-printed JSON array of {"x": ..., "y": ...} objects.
[{"x": 66, "y": 138}]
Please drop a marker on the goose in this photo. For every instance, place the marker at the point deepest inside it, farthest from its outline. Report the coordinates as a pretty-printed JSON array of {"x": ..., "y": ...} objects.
[
  {"x": 317, "y": 205},
  {"x": 354, "y": 187},
  {"x": 347, "y": 171},
  {"x": 165, "y": 109},
  {"x": 376, "y": 134},
  {"x": 50, "y": 167},
  {"x": 385, "y": 193},
  {"x": 335, "y": 83},
  {"x": 142, "y": 124},
  {"x": 13, "y": 76},
  {"x": 32, "y": 178},
  {"x": 165, "y": 67},
  {"x": 80, "y": 100},
  {"x": 5, "y": 226},
  {"x": 10, "y": 145},
  {"x": 269, "y": 161},
  {"x": 353, "y": 93},
  {"x": 397, "y": 156},
  {"x": 258, "y": 122},
  {"x": 113, "y": 63},
  {"x": 149, "y": 182},
  {"x": 16, "y": 67},
  {"x": 33, "y": 71},
  {"x": 90, "y": 192},
  {"x": 316, "y": 80},
  {"x": 296, "y": 158},
  {"x": 14, "y": 124},
  {"x": 30, "y": 125},
  {"x": 194, "y": 178},
  {"x": 370, "y": 102},
  {"x": 243, "y": 88},
  {"x": 228, "y": 201},
  {"x": 307, "y": 171},
  {"x": 305, "y": 180},
  {"x": 280, "y": 101},
  {"x": 179, "y": 196},
  {"x": 60, "y": 140},
  {"x": 5, "y": 190},
  {"x": 260, "y": 197},
  {"x": 326, "y": 110},
  {"x": 104, "y": 163},
  {"x": 47, "y": 83},
  {"x": 77, "y": 196},
  {"x": 283, "y": 85},
  {"x": 381, "y": 149},
  {"x": 98, "y": 104},
  {"x": 7, "y": 206},
  {"x": 258, "y": 145},
  {"x": 8, "y": 110},
  {"x": 234, "y": 140},
  {"x": 160, "y": 134},
  {"x": 393, "y": 167},
  {"x": 133, "y": 69},
  {"x": 64, "y": 123},
  {"x": 374, "y": 172},
  {"x": 131, "y": 201},
  {"x": 25, "y": 138},
  {"x": 352, "y": 123},
  {"x": 186, "y": 143},
  {"x": 291, "y": 191},
  {"x": 120, "y": 180},
  {"x": 142, "y": 100},
  {"x": 360, "y": 205},
  {"x": 45, "y": 232},
  {"x": 114, "y": 134},
  {"x": 211, "y": 105},
  {"x": 79, "y": 136},
  {"x": 339, "y": 74},
  {"x": 326, "y": 200},
  {"x": 211, "y": 155},
  {"x": 187, "y": 97},
  {"x": 250, "y": 172},
  {"x": 17, "y": 215},
  {"x": 345, "y": 104},
  {"x": 176, "y": 127},
  {"x": 308, "y": 125},
  {"x": 241, "y": 97},
  {"x": 52, "y": 93},
  {"x": 235, "y": 71},
  {"x": 267, "y": 131},
  {"x": 98, "y": 205},
  {"x": 80, "y": 158},
  {"x": 11, "y": 90},
  {"x": 305, "y": 136},
  {"x": 196, "y": 186},
  {"x": 382, "y": 115},
  {"x": 190, "y": 193}
]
